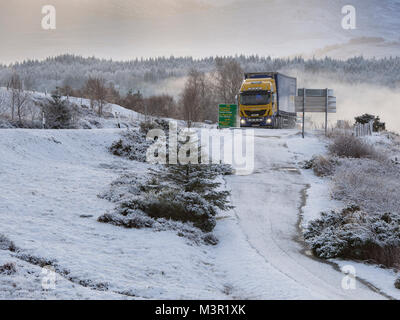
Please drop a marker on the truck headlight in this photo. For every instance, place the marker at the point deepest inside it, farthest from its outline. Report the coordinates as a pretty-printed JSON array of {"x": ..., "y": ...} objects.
[
  {"x": 242, "y": 121},
  {"x": 269, "y": 120}
]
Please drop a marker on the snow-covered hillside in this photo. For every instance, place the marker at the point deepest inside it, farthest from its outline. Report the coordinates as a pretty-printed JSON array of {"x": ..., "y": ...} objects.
[
  {"x": 86, "y": 118},
  {"x": 49, "y": 205}
]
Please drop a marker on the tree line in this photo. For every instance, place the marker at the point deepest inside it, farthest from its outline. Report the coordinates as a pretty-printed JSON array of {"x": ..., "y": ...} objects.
[
  {"x": 197, "y": 102},
  {"x": 145, "y": 74}
]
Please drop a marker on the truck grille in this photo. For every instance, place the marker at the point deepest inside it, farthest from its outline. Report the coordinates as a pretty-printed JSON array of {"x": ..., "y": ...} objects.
[{"x": 256, "y": 113}]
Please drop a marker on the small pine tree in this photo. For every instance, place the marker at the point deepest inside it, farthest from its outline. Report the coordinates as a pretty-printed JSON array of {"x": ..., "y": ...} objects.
[
  {"x": 191, "y": 192},
  {"x": 57, "y": 113}
]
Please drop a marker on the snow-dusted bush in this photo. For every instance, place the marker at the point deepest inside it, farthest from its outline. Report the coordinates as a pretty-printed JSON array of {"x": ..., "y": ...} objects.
[
  {"x": 130, "y": 220},
  {"x": 373, "y": 185},
  {"x": 354, "y": 234},
  {"x": 185, "y": 193},
  {"x": 6, "y": 244},
  {"x": 8, "y": 268},
  {"x": 397, "y": 283},
  {"x": 139, "y": 220},
  {"x": 5, "y": 124},
  {"x": 146, "y": 126},
  {"x": 133, "y": 144},
  {"x": 350, "y": 146},
  {"x": 130, "y": 193},
  {"x": 185, "y": 198},
  {"x": 36, "y": 260},
  {"x": 322, "y": 166}
]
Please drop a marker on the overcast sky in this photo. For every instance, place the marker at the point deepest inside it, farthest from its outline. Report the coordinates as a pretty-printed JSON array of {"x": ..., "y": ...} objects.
[{"x": 123, "y": 29}]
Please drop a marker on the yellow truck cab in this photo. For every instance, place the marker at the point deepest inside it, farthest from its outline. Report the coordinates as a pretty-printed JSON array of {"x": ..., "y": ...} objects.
[{"x": 267, "y": 100}]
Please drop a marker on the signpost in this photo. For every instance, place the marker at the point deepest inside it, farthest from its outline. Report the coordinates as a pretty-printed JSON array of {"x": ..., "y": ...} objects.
[
  {"x": 228, "y": 116},
  {"x": 316, "y": 100},
  {"x": 327, "y": 109},
  {"x": 304, "y": 112}
]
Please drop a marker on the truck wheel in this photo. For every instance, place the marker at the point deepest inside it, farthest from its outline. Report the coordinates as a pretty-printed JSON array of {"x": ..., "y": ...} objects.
[
  {"x": 293, "y": 123},
  {"x": 278, "y": 123}
]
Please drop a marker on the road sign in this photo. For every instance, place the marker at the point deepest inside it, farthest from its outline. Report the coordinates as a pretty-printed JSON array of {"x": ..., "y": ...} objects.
[
  {"x": 315, "y": 92},
  {"x": 315, "y": 104},
  {"x": 315, "y": 100},
  {"x": 228, "y": 115}
]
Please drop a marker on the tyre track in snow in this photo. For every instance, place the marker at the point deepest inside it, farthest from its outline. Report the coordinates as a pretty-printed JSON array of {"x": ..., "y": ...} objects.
[{"x": 268, "y": 207}]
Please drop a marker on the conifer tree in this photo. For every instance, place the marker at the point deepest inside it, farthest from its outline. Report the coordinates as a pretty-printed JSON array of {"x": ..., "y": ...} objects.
[
  {"x": 57, "y": 113},
  {"x": 181, "y": 192}
]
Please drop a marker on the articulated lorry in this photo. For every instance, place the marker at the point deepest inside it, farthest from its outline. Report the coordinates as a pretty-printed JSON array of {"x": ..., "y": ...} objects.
[{"x": 267, "y": 99}]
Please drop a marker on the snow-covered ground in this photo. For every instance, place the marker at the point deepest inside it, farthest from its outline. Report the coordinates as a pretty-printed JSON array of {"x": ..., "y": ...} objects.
[
  {"x": 50, "y": 180},
  {"x": 88, "y": 119}
]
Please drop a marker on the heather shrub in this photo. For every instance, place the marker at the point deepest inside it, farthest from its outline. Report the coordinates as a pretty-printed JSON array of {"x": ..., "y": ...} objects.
[
  {"x": 349, "y": 146},
  {"x": 323, "y": 166},
  {"x": 373, "y": 185}
]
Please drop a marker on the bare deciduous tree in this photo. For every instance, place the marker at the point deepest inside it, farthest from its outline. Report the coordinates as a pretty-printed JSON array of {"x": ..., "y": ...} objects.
[
  {"x": 195, "y": 97},
  {"x": 96, "y": 91},
  {"x": 161, "y": 105},
  {"x": 19, "y": 97},
  {"x": 15, "y": 84},
  {"x": 228, "y": 78},
  {"x": 21, "y": 100},
  {"x": 33, "y": 112}
]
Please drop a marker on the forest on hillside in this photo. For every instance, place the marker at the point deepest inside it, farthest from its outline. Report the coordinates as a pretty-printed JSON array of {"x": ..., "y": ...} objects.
[{"x": 147, "y": 75}]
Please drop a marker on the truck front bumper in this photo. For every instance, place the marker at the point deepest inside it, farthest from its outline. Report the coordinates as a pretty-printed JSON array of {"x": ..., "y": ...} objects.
[{"x": 257, "y": 122}]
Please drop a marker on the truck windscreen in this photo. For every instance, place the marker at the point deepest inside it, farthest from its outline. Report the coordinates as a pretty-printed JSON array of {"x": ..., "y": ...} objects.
[{"x": 255, "y": 98}]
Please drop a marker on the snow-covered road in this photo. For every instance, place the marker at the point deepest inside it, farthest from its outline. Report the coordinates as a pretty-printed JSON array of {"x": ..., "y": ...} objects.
[
  {"x": 269, "y": 205},
  {"x": 50, "y": 179}
]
